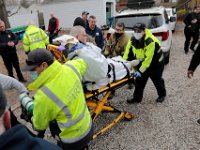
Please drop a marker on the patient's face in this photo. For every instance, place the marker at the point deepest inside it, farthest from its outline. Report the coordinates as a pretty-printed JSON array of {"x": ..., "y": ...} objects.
[{"x": 82, "y": 37}]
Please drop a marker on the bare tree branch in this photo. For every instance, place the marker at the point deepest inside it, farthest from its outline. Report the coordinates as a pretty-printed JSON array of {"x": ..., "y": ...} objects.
[{"x": 15, "y": 11}]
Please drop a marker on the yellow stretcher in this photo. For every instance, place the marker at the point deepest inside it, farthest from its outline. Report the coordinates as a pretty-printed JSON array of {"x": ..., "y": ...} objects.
[{"x": 95, "y": 104}]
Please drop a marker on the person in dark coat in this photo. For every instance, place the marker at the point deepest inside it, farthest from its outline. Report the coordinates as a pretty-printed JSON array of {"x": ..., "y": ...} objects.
[
  {"x": 53, "y": 27},
  {"x": 8, "y": 42},
  {"x": 82, "y": 21},
  {"x": 195, "y": 61},
  {"x": 18, "y": 137},
  {"x": 94, "y": 33},
  {"x": 191, "y": 30}
]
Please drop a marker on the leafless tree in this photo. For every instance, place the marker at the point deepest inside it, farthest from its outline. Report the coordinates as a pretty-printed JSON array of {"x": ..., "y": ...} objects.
[
  {"x": 3, "y": 13},
  {"x": 21, "y": 3}
]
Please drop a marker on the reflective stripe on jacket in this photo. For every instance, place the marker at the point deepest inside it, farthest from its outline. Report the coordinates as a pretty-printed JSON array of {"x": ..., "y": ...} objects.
[
  {"x": 149, "y": 51},
  {"x": 34, "y": 38},
  {"x": 61, "y": 97}
]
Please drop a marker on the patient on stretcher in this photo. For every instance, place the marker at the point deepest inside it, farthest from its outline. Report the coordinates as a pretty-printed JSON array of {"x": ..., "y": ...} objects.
[{"x": 100, "y": 70}]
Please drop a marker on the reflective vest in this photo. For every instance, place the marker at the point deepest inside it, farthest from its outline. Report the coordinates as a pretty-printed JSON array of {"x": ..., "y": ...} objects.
[
  {"x": 148, "y": 52},
  {"x": 60, "y": 97},
  {"x": 34, "y": 38}
]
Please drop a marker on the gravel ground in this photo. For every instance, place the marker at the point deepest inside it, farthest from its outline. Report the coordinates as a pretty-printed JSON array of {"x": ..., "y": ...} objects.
[{"x": 170, "y": 125}]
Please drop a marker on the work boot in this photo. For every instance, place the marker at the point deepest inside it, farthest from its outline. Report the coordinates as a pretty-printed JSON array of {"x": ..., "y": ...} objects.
[
  {"x": 198, "y": 121},
  {"x": 130, "y": 85},
  {"x": 192, "y": 49},
  {"x": 132, "y": 101},
  {"x": 23, "y": 80},
  {"x": 160, "y": 99}
]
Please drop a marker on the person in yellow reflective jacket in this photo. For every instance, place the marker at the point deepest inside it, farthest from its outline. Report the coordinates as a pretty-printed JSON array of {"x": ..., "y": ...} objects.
[
  {"x": 146, "y": 48},
  {"x": 34, "y": 38},
  {"x": 60, "y": 99}
]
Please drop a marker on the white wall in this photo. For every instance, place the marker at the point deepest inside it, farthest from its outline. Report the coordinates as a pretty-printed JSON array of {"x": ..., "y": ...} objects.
[
  {"x": 21, "y": 20},
  {"x": 68, "y": 11}
]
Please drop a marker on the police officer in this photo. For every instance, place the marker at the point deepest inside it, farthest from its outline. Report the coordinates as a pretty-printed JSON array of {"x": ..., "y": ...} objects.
[
  {"x": 95, "y": 34},
  {"x": 146, "y": 48},
  {"x": 191, "y": 29},
  {"x": 195, "y": 61},
  {"x": 60, "y": 98},
  {"x": 116, "y": 44},
  {"x": 34, "y": 38},
  {"x": 8, "y": 42}
]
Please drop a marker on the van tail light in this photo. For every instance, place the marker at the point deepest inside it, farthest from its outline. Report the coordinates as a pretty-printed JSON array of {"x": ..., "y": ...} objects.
[
  {"x": 164, "y": 35},
  {"x": 108, "y": 36}
]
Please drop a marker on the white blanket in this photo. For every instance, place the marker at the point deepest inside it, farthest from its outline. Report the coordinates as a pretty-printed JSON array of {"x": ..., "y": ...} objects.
[
  {"x": 120, "y": 73},
  {"x": 97, "y": 65}
]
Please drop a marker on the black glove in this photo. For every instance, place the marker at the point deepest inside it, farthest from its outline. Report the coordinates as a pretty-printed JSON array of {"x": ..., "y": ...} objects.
[{"x": 24, "y": 115}]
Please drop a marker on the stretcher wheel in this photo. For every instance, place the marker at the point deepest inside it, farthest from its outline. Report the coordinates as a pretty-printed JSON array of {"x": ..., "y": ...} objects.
[{"x": 129, "y": 116}]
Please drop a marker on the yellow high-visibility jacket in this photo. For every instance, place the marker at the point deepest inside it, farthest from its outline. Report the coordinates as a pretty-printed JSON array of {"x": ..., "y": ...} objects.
[
  {"x": 148, "y": 52},
  {"x": 60, "y": 97},
  {"x": 34, "y": 38}
]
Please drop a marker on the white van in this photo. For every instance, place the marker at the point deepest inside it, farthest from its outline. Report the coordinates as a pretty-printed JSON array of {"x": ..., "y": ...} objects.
[{"x": 173, "y": 17}]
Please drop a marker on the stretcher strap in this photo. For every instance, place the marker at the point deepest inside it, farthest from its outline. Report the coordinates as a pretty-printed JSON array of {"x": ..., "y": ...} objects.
[
  {"x": 127, "y": 70},
  {"x": 114, "y": 75}
]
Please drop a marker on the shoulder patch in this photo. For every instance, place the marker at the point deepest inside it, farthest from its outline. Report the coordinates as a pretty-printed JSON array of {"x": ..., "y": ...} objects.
[{"x": 148, "y": 41}]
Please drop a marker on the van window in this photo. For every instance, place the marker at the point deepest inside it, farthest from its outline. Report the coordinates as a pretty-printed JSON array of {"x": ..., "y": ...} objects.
[
  {"x": 166, "y": 17},
  {"x": 150, "y": 20}
]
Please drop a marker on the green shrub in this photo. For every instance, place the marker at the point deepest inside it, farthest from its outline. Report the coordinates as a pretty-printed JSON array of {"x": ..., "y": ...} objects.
[{"x": 181, "y": 14}]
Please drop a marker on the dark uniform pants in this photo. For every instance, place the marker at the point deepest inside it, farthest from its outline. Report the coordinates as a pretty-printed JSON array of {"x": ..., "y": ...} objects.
[
  {"x": 188, "y": 35},
  {"x": 52, "y": 35},
  {"x": 155, "y": 73},
  {"x": 79, "y": 145},
  {"x": 10, "y": 61}
]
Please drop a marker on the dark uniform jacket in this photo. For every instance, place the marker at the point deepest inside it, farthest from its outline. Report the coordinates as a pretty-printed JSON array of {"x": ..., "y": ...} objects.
[
  {"x": 79, "y": 22},
  {"x": 188, "y": 23},
  {"x": 53, "y": 25},
  {"x": 95, "y": 36},
  {"x": 18, "y": 138},
  {"x": 5, "y": 37}
]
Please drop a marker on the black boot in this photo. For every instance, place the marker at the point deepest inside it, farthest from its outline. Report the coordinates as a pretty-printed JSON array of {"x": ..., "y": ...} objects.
[
  {"x": 132, "y": 101},
  {"x": 160, "y": 99}
]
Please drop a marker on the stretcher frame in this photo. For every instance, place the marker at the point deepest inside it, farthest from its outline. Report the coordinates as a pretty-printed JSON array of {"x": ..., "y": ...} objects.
[{"x": 95, "y": 104}]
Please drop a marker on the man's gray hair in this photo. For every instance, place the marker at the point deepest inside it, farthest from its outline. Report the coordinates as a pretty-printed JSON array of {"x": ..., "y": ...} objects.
[{"x": 76, "y": 30}]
